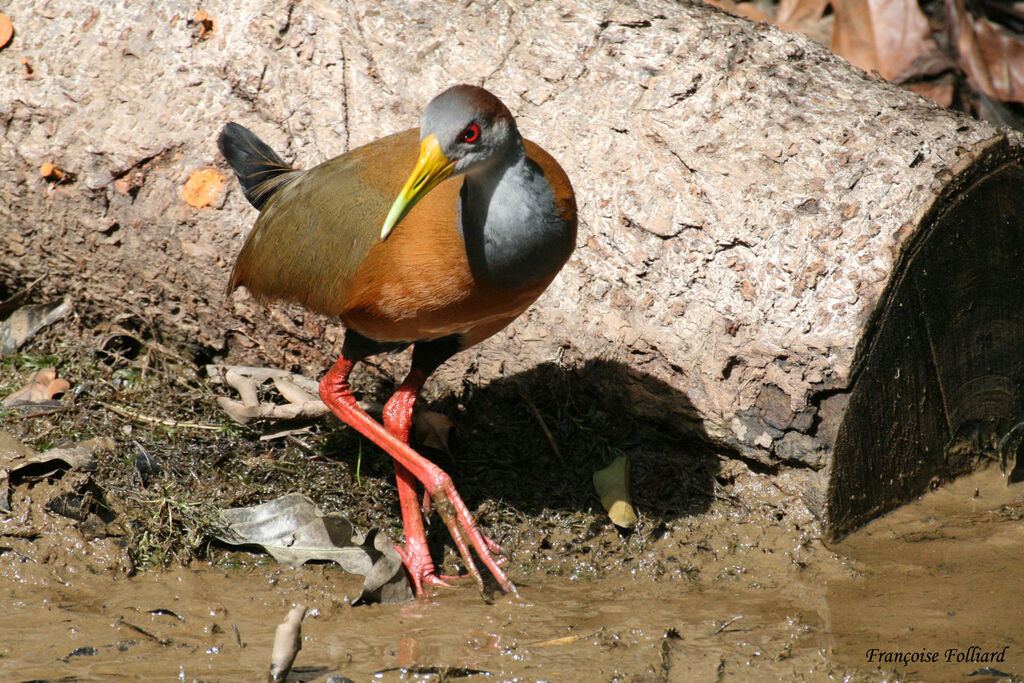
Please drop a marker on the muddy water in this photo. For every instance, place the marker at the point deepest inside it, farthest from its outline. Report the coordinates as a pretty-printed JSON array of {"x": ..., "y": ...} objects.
[{"x": 940, "y": 574}]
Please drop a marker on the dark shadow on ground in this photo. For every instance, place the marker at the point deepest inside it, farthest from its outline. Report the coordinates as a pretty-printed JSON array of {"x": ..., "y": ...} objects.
[{"x": 499, "y": 451}]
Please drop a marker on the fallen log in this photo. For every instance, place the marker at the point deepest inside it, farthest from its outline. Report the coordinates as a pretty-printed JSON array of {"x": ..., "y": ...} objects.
[{"x": 818, "y": 264}]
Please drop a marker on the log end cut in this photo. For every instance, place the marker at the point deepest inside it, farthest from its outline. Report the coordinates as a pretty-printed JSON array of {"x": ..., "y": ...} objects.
[{"x": 939, "y": 375}]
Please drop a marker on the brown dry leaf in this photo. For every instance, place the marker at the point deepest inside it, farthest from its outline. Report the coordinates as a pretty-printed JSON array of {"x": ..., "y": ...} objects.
[
  {"x": 203, "y": 24},
  {"x": 51, "y": 172},
  {"x": 881, "y": 35},
  {"x": 42, "y": 387},
  {"x": 940, "y": 92},
  {"x": 432, "y": 429},
  {"x": 992, "y": 58},
  {"x": 6, "y": 30},
  {"x": 800, "y": 15},
  {"x": 202, "y": 187}
]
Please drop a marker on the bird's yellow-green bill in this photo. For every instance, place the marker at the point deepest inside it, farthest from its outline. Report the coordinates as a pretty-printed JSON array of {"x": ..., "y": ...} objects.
[{"x": 432, "y": 168}]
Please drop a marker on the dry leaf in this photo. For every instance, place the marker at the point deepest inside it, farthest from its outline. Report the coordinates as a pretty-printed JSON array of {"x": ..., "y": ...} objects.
[
  {"x": 287, "y": 643},
  {"x": 940, "y": 92},
  {"x": 992, "y": 58},
  {"x": 23, "y": 323},
  {"x": 245, "y": 386},
  {"x": 294, "y": 531},
  {"x": 6, "y": 30},
  {"x": 202, "y": 187},
  {"x": 802, "y": 16},
  {"x": 18, "y": 461},
  {"x": 300, "y": 392},
  {"x": 881, "y": 35},
  {"x": 203, "y": 24},
  {"x": 41, "y": 388},
  {"x": 432, "y": 430},
  {"x": 612, "y": 486},
  {"x": 243, "y": 414},
  {"x": 51, "y": 172},
  {"x": 292, "y": 392}
]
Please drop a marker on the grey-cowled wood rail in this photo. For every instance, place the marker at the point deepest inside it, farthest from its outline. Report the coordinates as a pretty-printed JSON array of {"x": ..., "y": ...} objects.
[{"x": 438, "y": 238}]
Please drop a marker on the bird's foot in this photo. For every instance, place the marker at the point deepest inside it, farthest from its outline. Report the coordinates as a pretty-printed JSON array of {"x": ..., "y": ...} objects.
[
  {"x": 464, "y": 532},
  {"x": 420, "y": 568},
  {"x": 428, "y": 509}
]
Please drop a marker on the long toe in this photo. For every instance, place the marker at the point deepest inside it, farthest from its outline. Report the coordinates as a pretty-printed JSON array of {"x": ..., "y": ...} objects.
[{"x": 420, "y": 568}]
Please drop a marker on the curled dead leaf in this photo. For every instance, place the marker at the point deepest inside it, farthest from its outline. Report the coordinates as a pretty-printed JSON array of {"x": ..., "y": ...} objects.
[
  {"x": 202, "y": 24},
  {"x": 51, "y": 172},
  {"x": 6, "y": 30},
  {"x": 432, "y": 429},
  {"x": 612, "y": 486},
  {"x": 287, "y": 643},
  {"x": 294, "y": 531},
  {"x": 23, "y": 323},
  {"x": 992, "y": 57},
  {"x": 300, "y": 392},
  {"x": 940, "y": 92},
  {"x": 795, "y": 15},
  {"x": 202, "y": 187},
  {"x": 886, "y": 36},
  {"x": 42, "y": 386}
]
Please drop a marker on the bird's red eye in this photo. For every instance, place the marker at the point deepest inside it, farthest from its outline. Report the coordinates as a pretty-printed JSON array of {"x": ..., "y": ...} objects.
[{"x": 470, "y": 133}]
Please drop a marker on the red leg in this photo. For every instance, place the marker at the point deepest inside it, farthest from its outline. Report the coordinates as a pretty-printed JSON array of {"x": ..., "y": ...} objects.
[
  {"x": 337, "y": 394},
  {"x": 398, "y": 420}
]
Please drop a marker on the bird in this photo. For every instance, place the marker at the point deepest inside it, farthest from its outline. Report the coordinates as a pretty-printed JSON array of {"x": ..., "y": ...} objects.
[{"x": 435, "y": 238}]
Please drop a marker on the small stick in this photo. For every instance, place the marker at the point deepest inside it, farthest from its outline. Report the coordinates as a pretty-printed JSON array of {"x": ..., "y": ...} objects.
[
  {"x": 155, "y": 638},
  {"x": 543, "y": 425},
  {"x": 564, "y": 640},
  {"x": 725, "y": 624},
  {"x": 287, "y": 643},
  {"x": 124, "y": 412},
  {"x": 43, "y": 413}
]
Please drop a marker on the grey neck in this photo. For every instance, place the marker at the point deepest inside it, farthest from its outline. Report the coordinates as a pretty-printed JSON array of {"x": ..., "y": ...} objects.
[{"x": 514, "y": 236}]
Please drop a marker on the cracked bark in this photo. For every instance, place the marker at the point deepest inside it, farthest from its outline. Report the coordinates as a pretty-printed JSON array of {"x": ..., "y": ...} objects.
[{"x": 792, "y": 260}]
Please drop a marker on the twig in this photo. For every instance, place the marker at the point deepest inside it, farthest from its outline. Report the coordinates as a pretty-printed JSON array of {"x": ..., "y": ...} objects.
[
  {"x": 238, "y": 635},
  {"x": 287, "y": 643},
  {"x": 725, "y": 624},
  {"x": 543, "y": 425},
  {"x": 42, "y": 413},
  {"x": 124, "y": 412},
  {"x": 565, "y": 640},
  {"x": 157, "y": 639}
]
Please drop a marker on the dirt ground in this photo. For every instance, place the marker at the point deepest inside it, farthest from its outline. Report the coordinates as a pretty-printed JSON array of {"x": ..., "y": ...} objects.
[{"x": 110, "y": 571}]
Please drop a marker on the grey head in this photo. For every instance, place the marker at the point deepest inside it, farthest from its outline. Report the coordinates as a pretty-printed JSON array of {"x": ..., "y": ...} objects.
[{"x": 472, "y": 126}]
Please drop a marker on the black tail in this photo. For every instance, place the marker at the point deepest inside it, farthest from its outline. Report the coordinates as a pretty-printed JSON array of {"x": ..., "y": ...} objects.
[{"x": 260, "y": 171}]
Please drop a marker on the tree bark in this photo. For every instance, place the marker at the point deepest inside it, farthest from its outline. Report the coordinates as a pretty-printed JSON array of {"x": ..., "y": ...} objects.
[{"x": 819, "y": 265}]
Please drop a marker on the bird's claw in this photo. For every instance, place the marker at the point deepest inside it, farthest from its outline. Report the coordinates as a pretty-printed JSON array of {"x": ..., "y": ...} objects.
[{"x": 465, "y": 533}]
